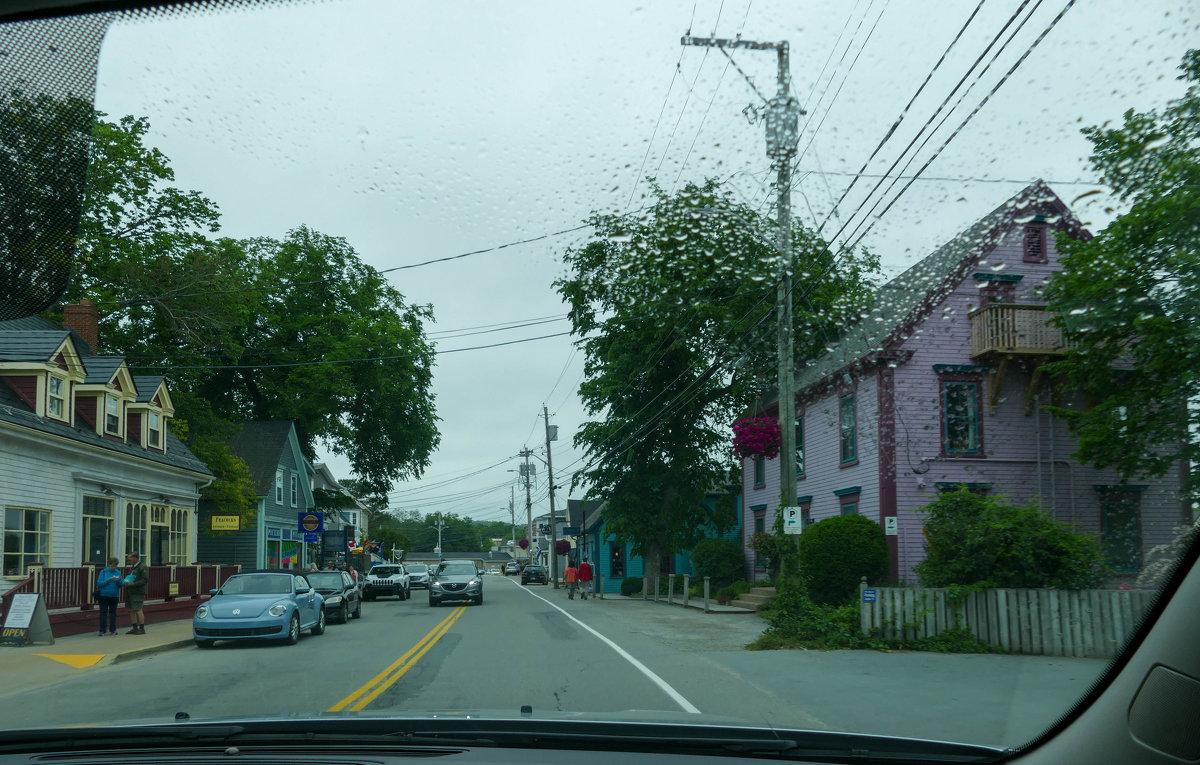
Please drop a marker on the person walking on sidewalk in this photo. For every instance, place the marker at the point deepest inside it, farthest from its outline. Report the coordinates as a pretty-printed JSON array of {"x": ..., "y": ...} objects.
[
  {"x": 108, "y": 584},
  {"x": 571, "y": 575},
  {"x": 585, "y": 579},
  {"x": 135, "y": 593}
]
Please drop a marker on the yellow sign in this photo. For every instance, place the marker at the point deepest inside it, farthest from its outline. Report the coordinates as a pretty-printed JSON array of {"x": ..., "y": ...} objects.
[
  {"x": 225, "y": 522},
  {"x": 172, "y": 588}
]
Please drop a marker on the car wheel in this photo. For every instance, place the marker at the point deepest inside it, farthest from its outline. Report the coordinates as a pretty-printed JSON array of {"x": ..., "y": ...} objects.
[
  {"x": 401, "y": 594},
  {"x": 432, "y": 602},
  {"x": 205, "y": 643},
  {"x": 479, "y": 600},
  {"x": 371, "y": 596},
  {"x": 319, "y": 627},
  {"x": 343, "y": 614},
  {"x": 293, "y": 633},
  {"x": 358, "y": 610}
]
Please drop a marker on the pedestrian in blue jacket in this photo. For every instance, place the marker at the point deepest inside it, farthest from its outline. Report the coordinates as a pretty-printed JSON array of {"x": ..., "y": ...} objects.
[{"x": 108, "y": 582}]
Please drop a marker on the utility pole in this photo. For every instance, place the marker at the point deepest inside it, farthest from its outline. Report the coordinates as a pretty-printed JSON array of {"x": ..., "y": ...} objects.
[
  {"x": 528, "y": 499},
  {"x": 551, "y": 436},
  {"x": 512, "y": 514},
  {"x": 783, "y": 135},
  {"x": 440, "y": 525}
]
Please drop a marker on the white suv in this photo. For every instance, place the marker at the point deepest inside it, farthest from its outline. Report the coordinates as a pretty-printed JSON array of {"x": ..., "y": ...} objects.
[{"x": 386, "y": 579}]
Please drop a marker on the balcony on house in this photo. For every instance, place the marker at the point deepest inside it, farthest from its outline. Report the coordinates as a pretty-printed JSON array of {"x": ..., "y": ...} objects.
[{"x": 1013, "y": 329}]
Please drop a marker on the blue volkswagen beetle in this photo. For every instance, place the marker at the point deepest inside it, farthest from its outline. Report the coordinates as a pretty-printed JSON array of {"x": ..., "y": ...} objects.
[{"x": 261, "y": 605}]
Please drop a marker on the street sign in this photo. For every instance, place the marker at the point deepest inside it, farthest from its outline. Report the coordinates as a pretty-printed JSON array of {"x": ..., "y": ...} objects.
[
  {"x": 868, "y": 596},
  {"x": 891, "y": 526},
  {"x": 225, "y": 523},
  {"x": 312, "y": 537},
  {"x": 570, "y": 531},
  {"x": 793, "y": 520}
]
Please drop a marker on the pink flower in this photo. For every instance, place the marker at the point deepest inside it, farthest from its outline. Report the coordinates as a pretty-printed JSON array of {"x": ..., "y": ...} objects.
[{"x": 757, "y": 437}]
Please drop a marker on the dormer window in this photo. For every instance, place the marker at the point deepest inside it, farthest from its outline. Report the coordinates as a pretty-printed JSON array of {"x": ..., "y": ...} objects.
[
  {"x": 154, "y": 430},
  {"x": 56, "y": 403},
  {"x": 112, "y": 415}
]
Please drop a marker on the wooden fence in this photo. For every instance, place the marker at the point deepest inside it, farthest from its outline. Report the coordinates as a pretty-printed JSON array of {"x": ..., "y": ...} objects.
[{"x": 1083, "y": 623}]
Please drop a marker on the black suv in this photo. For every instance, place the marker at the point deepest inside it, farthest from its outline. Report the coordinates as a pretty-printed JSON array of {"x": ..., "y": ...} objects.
[{"x": 534, "y": 574}]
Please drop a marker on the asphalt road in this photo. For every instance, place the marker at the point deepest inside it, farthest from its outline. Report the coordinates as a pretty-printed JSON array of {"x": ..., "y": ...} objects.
[{"x": 532, "y": 646}]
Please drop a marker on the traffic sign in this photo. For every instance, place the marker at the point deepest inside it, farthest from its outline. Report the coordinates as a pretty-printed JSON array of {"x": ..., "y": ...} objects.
[
  {"x": 891, "y": 526},
  {"x": 793, "y": 520},
  {"x": 869, "y": 595}
]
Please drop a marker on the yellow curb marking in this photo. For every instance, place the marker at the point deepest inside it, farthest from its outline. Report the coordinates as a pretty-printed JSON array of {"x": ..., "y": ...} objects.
[
  {"x": 356, "y": 701},
  {"x": 76, "y": 660}
]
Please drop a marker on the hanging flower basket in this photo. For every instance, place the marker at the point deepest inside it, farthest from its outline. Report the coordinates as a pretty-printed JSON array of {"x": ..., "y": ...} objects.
[{"x": 757, "y": 437}]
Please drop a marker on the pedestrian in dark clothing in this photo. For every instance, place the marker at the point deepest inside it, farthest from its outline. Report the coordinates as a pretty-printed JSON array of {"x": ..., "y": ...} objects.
[
  {"x": 108, "y": 584},
  {"x": 135, "y": 593}
]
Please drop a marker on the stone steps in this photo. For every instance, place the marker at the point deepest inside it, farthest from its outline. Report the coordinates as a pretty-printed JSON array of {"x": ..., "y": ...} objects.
[{"x": 758, "y": 598}]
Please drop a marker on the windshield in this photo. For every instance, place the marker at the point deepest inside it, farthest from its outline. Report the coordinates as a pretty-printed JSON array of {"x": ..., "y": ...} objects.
[
  {"x": 325, "y": 581},
  {"x": 802, "y": 363},
  {"x": 258, "y": 584}
]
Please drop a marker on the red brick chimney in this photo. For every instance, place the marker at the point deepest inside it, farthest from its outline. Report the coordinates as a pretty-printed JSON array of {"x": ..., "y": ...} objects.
[{"x": 84, "y": 319}]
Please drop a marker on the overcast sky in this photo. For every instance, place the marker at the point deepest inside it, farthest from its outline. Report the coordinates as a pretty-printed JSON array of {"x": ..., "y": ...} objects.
[{"x": 424, "y": 130}]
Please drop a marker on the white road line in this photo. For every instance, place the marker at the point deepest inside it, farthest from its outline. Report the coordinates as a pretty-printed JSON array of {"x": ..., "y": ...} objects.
[{"x": 675, "y": 695}]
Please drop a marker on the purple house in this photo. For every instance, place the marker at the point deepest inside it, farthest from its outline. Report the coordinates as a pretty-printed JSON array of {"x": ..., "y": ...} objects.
[{"x": 943, "y": 384}]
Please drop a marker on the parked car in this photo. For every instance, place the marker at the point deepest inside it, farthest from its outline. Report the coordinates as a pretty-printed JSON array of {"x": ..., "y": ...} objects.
[
  {"x": 418, "y": 576},
  {"x": 387, "y": 579},
  {"x": 494, "y": 571},
  {"x": 456, "y": 580},
  {"x": 512, "y": 569},
  {"x": 343, "y": 599},
  {"x": 261, "y": 605},
  {"x": 534, "y": 574}
]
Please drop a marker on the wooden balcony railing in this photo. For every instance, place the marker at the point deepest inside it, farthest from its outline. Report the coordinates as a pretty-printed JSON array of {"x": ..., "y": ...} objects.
[{"x": 1004, "y": 329}]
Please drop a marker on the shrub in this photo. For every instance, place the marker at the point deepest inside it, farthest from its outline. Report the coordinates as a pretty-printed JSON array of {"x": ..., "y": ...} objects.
[
  {"x": 974, "y": 540},
  {"x": 740, "y": 587},
  {"x": 774, "y": 547},
  {"x": 631, "y": 585},
  {"x": 721, "y": 560},
  {"x": 795, "y": 619},
  {"x": 837, "y": 552}
]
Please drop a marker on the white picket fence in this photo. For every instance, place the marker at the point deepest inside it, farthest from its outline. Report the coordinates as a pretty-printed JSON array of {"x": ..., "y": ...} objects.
[{"x": 1084, "y": 623}]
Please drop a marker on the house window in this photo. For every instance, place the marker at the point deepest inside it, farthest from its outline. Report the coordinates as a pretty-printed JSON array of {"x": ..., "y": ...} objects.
[
  {"x": 154, "y": 429},
  {"x": 137, "y": 528},
  {"x": 295, "y": 490},
  {"x": 800, "y": 446},
  {"x": 760, "y": 472},
  {"x": 616, "y": 561},
  {"x": 112, "y": 415},
  {"x": 26, "y": 539},
  {"x": 1121, "y": 533},
  {"x": 960, "y": 418},
  {"x": 179, "y": 553},
  {"x": 56, "y": 403},
  {"x": 848, "y": 499},
  {"x": 97, "y": 529},
  {"x": 279, "y": 487},
  {"x": 1035, "y": 243},
  {"x": 849, "y": 427}
]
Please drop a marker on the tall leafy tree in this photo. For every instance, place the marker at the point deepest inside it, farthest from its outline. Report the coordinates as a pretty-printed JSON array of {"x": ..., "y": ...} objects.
[
  {"x": 675, "y": 313},
  {"x": 1132, "y": 294}
]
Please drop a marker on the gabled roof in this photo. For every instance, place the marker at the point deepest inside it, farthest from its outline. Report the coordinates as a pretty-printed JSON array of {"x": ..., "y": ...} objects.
[
  {"x": 146, "y": 385},
  {"x": 15, "y": 411},
  {"x": 906, "y": 299},
  {"x": 261, "y": 445},
  {"x": 36, "y": 345},
  {"x": 578, "y": 509},
  {"x": 38, "y": 324},
  {"x": 101, "y": 369}
]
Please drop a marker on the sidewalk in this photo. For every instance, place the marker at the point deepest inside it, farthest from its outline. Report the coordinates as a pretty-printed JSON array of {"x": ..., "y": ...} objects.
[
  {"x": 696, "y": 603},
  {"x": 25, "y": 667}
]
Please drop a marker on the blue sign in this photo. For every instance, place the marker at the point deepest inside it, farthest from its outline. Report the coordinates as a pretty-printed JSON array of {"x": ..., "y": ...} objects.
[
  {"x": 868, "y": 596},
  {"x": 310, "y": 522},
  {"x": 313, "y": 537}
]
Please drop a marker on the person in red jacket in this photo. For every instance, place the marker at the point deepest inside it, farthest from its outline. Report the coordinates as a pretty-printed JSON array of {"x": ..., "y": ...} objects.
[{"x": 585, "y": 579}]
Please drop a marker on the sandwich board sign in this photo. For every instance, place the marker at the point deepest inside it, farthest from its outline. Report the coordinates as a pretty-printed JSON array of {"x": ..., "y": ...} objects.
[{"x": 27, "y": 621}]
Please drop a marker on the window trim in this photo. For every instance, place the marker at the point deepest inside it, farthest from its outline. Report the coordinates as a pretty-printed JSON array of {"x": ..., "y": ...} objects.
[
  {"x": 760, "y": 467},
  {"x": 850, "y": 496},
  {"x": 150, "y": 429},
  {"x": 106, "y": 429},
  {"x": 85, "y": 526},
  {"x": 952, "y": 374},
  {"x": 1042, "y": 255},
  {"x": 22, "y": 555},
  {"x": 294, "y": 489},
  {"x": 759, "y": 513},
  {"x": 798, "y": 432},
  {"x": 64, "y": 414},
  {"x": 852, "y": 396}
]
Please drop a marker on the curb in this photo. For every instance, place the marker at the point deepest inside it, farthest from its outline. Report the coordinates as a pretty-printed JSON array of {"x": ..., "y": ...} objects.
[{"x": 148, "y": 650}]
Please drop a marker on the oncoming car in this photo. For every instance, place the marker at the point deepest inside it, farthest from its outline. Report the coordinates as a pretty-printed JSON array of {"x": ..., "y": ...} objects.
[
  {"x": 418, "y": 575},
  {"x": 456, "y": 580},
  {"x": 263, "y": 605}
]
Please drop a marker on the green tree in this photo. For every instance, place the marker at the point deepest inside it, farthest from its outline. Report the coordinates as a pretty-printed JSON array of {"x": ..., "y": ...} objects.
[
  {"x": 1132, "y": 293},
  {"x": 674, "y": 313},
  {"x": 44, "y": 144},
  {"x": 974, "y": 540},
  {"x": 232, "y": 491}
]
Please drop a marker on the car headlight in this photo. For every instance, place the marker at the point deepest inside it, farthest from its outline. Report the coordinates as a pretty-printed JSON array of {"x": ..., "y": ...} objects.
[
  {"x": 279, "y": 609},
  {"x": 202, "y": 612},
  {"x": 333, "y": 600},
  {"x": 473, "y": 582},
  {"x": 436, "y": 583}
]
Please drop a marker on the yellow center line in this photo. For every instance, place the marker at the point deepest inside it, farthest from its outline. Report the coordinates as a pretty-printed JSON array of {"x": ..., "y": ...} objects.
[{"x": 381, "y": 682}]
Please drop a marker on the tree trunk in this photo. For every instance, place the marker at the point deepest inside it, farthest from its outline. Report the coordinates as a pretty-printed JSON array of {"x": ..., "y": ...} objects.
[{"x": 651, "y": 556}]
